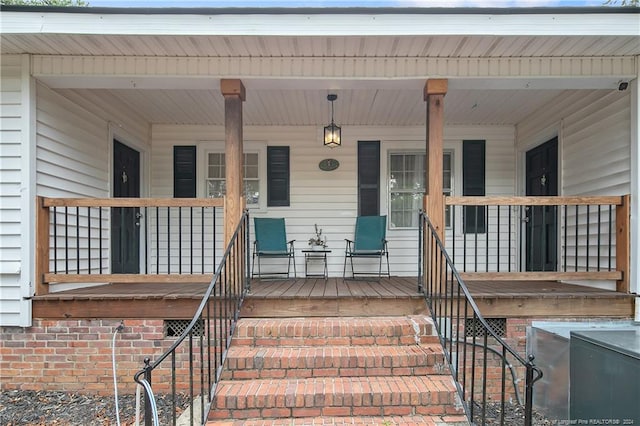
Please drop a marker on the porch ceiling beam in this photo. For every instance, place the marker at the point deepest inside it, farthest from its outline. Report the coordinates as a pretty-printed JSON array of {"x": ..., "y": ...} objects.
[
  {"x": 128, "y": 72},
  {"x": 415, "y": 21}
]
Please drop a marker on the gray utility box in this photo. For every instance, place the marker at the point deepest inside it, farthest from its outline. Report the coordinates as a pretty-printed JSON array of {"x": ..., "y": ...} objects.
[
  {"x": 549, "y": 342},
  {"x": 605, "y": 377}
]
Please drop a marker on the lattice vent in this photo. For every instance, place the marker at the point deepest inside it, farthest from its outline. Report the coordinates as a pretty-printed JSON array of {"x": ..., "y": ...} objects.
[
  {"x": 473, "y": 327},
  {"x": 175, "y": 328}
]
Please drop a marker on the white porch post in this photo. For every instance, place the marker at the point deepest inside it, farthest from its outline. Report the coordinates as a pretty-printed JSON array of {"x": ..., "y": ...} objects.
[
  {"x": 634, "y": 272},
  {"x": 234, "y": 94}
]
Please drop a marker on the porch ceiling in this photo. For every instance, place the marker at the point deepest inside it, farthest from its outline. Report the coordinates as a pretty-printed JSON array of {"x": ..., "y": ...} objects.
[
  {"x": 396, "y": 35},
  {"x": 357, "y": 107}
]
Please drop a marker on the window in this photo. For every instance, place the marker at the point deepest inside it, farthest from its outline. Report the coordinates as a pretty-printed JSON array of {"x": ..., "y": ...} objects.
[
  {"x": 216, "y": 177},
  {"x": 407, "y": 187}
]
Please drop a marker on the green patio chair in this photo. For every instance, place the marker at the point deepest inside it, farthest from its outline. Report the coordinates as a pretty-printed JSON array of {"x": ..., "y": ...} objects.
[
  {"x": 271, "y": 242},
  {"x": 369, "y": 241}
]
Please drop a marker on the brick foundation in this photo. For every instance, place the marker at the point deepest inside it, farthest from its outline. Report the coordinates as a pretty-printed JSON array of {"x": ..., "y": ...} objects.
[{"x": 76, "y": 355}]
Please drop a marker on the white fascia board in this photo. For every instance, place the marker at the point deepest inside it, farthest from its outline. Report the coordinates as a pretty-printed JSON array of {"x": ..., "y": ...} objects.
[{"x": 326, "y": 25}]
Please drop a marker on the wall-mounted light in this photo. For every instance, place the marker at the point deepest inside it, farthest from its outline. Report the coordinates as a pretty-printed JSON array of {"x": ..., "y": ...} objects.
[{"x": 332, "y": 133}]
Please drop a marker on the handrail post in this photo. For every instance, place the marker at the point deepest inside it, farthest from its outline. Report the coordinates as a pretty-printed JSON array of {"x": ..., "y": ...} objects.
[
  {"x": 42, "y": 246},
  {"x": 148, "y": 417},
  {"x": 420, "y": 251},
  {"x": 623, "y": 248},
  {"x": 529, "y": 381}
]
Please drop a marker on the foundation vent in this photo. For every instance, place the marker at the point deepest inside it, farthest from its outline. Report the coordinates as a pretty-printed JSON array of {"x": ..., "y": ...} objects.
[
  {"x": 175, "y": 328},
  {"x": 473, "y": 327}
]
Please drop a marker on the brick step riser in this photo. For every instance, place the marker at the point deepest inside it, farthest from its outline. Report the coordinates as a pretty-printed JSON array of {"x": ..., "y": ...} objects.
[
  {"x": 449, "y": 420},
  {"x": 305, "y": 412},
  {"x": 332, "y": 341},
  {"x": 303, "y": 373},
  {"x": 331, "y": 362},
  {"x": 373, "y": 396},
  {"x": 300, "y": 332}
]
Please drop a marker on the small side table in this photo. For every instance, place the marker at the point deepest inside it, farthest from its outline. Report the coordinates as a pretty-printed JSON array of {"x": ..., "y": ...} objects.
[{"x": 311, "y": 256}]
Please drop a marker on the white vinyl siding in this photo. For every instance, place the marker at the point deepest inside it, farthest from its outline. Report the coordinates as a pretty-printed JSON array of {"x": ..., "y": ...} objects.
[
  {"x": 329, "y": 199},
  {"x": 14, "y": 193},
  {"x": 73, "y": 158},
  {"x": 595, "y": 156}
]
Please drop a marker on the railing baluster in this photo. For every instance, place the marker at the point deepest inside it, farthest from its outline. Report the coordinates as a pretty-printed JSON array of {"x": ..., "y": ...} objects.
[
  {"x": 55, "y": 240},
  {"x": 89, "y": 240},
  {"x": 610, "y": 235},
  {"x": 146, "y": 240},
  {"x": 78, "y": 240},
  {"x": 169, "y": 242},
  {"x": 544, "y": 238},
  {"x": 486, "y": 238},
  {"x": 66, "y": 240},
  {"x": 203, "y": 233},
  {"x": 588, "y": 237},
  {"x": 577, "y": 241},
  {"x": 498, "y": 258},
  {"x": 599, "y": 233},
  {"x": 475, "y": 239},
  {"x": 565, "y": 243},
  {"x": 100, "y": 238},
  {"x": 157, "y": 240},
  {"x": 179, "y": 240},
  {"x": 509, "y": 239}
]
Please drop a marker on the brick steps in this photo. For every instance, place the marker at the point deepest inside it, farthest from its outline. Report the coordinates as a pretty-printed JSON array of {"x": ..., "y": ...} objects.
[
  {"x": 245, "y": 363},
  {"x": 335, "y": 371}
]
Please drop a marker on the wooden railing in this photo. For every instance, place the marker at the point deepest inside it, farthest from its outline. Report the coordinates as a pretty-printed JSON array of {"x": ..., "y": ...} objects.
[
  {"x": 173, "y": 239},
  {"x": 540, "y": 238}
]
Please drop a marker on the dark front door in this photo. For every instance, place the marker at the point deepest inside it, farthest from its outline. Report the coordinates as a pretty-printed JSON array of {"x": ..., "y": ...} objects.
[
  {"x": 125, "y": 227},
  {"x": 542, "y": 221}
]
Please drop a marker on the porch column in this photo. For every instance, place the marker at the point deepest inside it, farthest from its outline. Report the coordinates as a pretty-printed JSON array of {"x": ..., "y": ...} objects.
[
  {"x": 434, "y": 91},
  {"x": 234, "y": 95}
]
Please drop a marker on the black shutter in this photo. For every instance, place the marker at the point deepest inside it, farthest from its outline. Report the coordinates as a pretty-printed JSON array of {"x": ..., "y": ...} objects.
[
  {"x": 184, "y": 171},
  {"x": 368, "y": 178},
  {"x": 473, "y": 184},
  {"x": 277, "y": 176}
]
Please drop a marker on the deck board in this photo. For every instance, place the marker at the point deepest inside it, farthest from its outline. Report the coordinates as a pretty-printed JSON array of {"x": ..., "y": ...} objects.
[{"x": 333, "y": 297}]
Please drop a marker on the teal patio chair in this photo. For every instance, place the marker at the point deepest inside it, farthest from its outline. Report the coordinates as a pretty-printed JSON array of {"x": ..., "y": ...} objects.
[
  {"x": 369, "y": 241},
  {"x": 271, "y": 242}
]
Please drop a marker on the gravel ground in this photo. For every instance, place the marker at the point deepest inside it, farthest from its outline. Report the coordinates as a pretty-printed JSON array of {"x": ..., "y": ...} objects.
[{"x": 33, "y": 408}]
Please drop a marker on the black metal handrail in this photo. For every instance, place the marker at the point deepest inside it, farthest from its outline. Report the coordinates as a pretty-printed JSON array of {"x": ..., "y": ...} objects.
[
  {"x": 198, "y": 355},
  {"x": 460, "y": 326}
]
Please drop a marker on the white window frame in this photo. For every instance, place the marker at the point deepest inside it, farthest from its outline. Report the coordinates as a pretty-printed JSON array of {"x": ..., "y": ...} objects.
[
  {"x": 218, "y": 147},
  {"x": 452, "y": 183}
]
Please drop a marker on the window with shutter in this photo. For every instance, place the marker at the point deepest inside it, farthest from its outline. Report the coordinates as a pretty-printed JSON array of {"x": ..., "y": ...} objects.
[
  {"x": 278, "y": 176},
  {"x": 473, "y": 184},
  {"x": 184, "y": 171}
]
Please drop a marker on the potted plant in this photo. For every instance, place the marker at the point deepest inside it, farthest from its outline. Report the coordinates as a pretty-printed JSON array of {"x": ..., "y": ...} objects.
[{"x": 318, "y": 242}]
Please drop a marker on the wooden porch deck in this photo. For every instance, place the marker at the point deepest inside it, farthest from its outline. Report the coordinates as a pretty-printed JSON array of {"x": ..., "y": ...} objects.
[{"x": 332, "y": 297}]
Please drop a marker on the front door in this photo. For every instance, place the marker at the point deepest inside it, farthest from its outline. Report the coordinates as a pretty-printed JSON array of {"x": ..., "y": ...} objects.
[
  {"x": 125, "y": 221},
  {"x": 541, "y": 221}
]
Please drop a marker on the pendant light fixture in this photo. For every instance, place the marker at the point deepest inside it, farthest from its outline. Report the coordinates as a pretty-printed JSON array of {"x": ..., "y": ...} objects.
[{"x": 332, "y": 132}]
